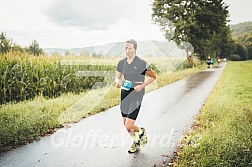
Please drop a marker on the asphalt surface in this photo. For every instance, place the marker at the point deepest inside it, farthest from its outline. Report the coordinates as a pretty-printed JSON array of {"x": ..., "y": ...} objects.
[{"x": 101, "y": 140}]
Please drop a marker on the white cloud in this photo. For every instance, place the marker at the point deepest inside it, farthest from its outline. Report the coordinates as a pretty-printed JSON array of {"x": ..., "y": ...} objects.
[
  {"x": 89, "y": 13},
  {"x": 79, "y": 23},
  {"x": 76, "y": 23},
  {"x": 239, "y": 11}
]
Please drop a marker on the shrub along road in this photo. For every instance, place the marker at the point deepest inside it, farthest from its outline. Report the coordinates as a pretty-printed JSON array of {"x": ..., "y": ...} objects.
[{"x": 101, "y": 140}]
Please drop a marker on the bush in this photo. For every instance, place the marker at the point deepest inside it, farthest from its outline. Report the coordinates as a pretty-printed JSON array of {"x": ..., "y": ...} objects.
[
  {"x": 249, "y": 48},
  {"x": 242, "y": 51},
  {"x": 235, "y": 57}
]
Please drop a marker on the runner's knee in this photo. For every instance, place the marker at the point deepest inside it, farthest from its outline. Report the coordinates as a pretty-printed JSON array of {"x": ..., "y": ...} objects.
[{"x": 128, "y": 126}]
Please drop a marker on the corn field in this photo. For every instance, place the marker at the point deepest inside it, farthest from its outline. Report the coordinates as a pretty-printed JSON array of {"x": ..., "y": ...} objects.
[{"x": 25, "y": 76}]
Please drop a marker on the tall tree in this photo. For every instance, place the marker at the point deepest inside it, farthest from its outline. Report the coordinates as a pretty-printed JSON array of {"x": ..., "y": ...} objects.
[
  {"x": 5, "y": 44},
  {"x": 34, "y": 48},
  {"x": 200, "y": 22}
]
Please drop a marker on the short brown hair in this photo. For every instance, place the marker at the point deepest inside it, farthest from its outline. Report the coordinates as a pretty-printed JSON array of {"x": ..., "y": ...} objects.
[{"x": 132, "y": 41}]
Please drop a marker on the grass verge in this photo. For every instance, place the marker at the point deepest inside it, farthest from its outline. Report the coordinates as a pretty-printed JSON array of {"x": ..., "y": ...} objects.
[{"x": 222, "y": 132}]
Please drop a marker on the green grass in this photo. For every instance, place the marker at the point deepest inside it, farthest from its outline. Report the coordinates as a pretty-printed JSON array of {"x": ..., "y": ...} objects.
[
  {"x": 25, "y": 121},
  {"x": 222, "y": 132}
]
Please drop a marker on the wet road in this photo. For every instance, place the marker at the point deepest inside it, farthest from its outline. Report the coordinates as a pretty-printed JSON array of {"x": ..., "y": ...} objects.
[{"x": 101, "y": 140}]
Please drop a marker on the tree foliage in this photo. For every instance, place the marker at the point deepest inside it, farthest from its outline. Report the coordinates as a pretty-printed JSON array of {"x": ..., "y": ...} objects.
[
  {"x": 239, "y": 30},
  {"x": 249, "y": 48},
  {"x": 35, "y": 49},
  {"x": 5, "y": 44},
  {"x": 242, "y": 34},
  {"x": 203, "y": 23},
  {"x": 242, "y": 51}
]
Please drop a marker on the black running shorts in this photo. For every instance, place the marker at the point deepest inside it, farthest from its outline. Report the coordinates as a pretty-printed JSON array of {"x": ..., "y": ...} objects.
[{"x": 131, "y": 103}]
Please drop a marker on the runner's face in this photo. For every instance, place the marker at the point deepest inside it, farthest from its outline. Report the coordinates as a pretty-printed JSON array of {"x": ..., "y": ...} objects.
[{"x": 129, "y": 50}]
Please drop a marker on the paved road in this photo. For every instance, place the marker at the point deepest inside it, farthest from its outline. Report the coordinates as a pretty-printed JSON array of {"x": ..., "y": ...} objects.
[{"x": 101, "y": 140}]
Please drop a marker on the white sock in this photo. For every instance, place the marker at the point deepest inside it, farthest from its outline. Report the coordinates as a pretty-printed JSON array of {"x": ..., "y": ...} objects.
[
  {"x": 140, "y": 131},
  {"x": 136, "y": 137}
]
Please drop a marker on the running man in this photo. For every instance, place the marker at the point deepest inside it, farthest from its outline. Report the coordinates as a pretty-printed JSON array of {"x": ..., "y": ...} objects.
[{"x": 133, "y": 70}]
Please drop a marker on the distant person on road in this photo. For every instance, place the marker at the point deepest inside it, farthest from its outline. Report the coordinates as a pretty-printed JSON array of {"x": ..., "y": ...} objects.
[
  {"x": 132, "y": 87},
  {"x": 212, "y": 61},
  {"x": 219, "y": 60},
  {"x": 209, "y": 60}
]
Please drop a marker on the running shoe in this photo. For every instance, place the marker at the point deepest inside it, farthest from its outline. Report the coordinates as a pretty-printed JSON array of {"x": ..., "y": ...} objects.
[
  {"x": 135, "y": 146},
  {"x": 143, "y": 138}
]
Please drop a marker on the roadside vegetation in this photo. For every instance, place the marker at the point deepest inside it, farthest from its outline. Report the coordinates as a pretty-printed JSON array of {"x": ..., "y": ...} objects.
[
  {"x": 242, "y": 34},
  {"x": 24, "y": 76},
  {"x": 221, "y": 134}
]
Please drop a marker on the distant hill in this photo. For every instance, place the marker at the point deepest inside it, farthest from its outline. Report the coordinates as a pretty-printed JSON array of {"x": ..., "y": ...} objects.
[
  {"x": 145, "y": 48},
  {"x": 241, "y": 29}
]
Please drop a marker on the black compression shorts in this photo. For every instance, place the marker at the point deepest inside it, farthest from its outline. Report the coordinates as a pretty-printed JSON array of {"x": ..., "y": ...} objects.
[{"x": 131, "y": 103}]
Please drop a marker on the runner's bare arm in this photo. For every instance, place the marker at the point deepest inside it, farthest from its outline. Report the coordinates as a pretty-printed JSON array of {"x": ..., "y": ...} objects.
[
  {"x": 152, "y": 77},
  {"x": 151, "y": 74},
  {"x": 118, "y": 79}
]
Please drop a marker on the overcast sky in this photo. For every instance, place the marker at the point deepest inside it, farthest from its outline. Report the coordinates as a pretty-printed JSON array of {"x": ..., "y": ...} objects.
[{"x": 80, "y": 23}]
